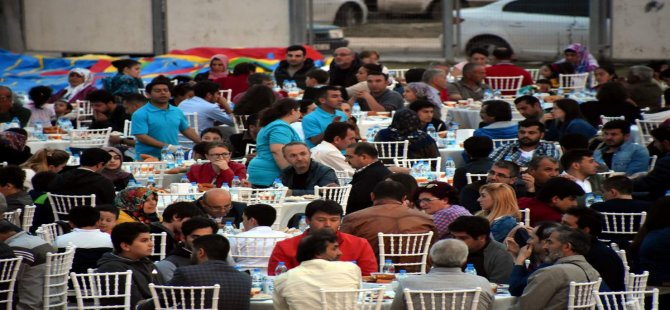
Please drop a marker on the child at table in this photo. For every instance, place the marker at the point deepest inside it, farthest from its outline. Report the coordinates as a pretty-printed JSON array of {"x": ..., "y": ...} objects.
[{"x": 108, "y": 217}]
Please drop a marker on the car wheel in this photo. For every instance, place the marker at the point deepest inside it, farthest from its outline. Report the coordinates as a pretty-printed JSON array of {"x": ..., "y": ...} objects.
[
  {"x": 488, "y": 42},
  {"x": 435, "y": 9},
  {"x": 348, "y": 15}
]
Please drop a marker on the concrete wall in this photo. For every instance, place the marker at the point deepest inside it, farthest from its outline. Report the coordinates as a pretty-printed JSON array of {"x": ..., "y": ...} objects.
[
  {"x": 227, "y": 23},
  {"x": 641, "y": 30}
]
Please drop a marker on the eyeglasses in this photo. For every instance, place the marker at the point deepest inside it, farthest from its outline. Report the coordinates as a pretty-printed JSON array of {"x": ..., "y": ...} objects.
[
  {"x": 500, "y": 175},
  {"x": 219, "y": 155},
  {"x": 426, "y": 200}
]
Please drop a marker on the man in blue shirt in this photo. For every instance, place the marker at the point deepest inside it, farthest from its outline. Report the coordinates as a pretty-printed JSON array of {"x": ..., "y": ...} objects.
[
  {"x": 619, "y": 152},
  {"x": 205, "y": 103},
  {"x": 158, "y": 124},
  {"x": 315, "y": 123}
]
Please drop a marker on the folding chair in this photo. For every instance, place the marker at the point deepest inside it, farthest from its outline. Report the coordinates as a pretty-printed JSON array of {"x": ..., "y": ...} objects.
[
  {"x": 571, "y": 82},
  {"x": 448, "y": 299},
  {"x": 581, "y": 296},
  {"x": 102, "y": 290},
  {"x": 61, "y": 204},
  {"x": 361, "y": 299},
  {"x": 89, "y": 138},
  {"x": 9, "y": 269},
  {"x": 340, "y": 194},
  {"x": 403, "y": 246},
  {"x": 185, "y": 297},
  {"x": 504, "y": 83},
  {"x": 58, "y": 266}
]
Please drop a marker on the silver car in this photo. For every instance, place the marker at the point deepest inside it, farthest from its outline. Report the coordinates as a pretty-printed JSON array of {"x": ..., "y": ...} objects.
[{"x": 340, "y": 12}]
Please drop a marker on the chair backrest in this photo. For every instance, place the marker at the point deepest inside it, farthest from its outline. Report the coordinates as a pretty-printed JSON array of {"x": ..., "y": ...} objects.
[
  {"x": 83, "y": 112},
  {"x": 335, "y": 193},
  {"x": 58, "y": 266},
  {"x": 143, "y": 170},
  {"x": 49, "y": 232},
  {"x": 185, "y": 297},
  {"x": 192, "y": 119},
  {"x": 89, "y": 138},
  {"x": 28, "y": 215},
  {"x": 434, "y": 163},
  {"x": 250, "y": 148},
  {"x": 504, "y": 83},
  {"x": 500, "y": 142},
  {"x": 448, "y": 299},
  {"x": 343, "y": 177},
  {"x": 405, "y": 247},
  {"x": 621, "y": 223},
  {"x": 111, "y": 289},
  {"x": 652, "y": 162},
  {"x": 637, "y": 282},
  {"x": 390, "y": 150},
  {"x": 160, "y": 243},
  {"x": 166, "y": 199},
  {"x": 228, "y": 93},
  {"x": 13, "y": 217},
  {"x": 605, "y": 119},
  {"x": 271, "y": 196},
  {"x": 628, "y": 300},
  {"x": 240, "y": 120},
  {"x": 361, "y": 299},
  {"x": 581, "y": 295},
  {"x": 398, "y": 73},
  {"x": 608, "y": 174},
  {"x": 474, "y": 177},
  {"x": 246, "y": 250},
  {"x": 573, "y": 81},
  {"x": 525, "y": 216},
  {"x": 534, "y": 73},
  {"x": 61, "y": 204},
  {"x": 9, "y": 269},
  {"x": 127, "y": 129},
  {"x": 644, "y": 129},
  {"x": 624, "y": 261}
]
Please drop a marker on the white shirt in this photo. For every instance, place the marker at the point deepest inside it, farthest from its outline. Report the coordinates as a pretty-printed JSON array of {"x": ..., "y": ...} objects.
[
  {"x": 255, "y": 247},
  {"x": 85, "y": 239},
  {"x": 299, "y": 287},
  {"x": 297, "y": 126},
  {"x": 585, "y": 185},
  {"x": 329, "y": 155}
]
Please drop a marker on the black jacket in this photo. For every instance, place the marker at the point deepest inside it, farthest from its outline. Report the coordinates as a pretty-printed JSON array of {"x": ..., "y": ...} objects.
[
  {"x": 84, "y": 182},
  {"x": 144, "y": 272},
  {"x": 609, "y": 265},
  {"x": 317, "y": 175},
  {"x": 656, "y": 182},
  {"x": 281, "y": 73},
  {"x": 362, "y": 184},
  {"x": 116, "y": 120},
  {"x": 480, "y": 165},
  {"x": 344, "y": 77}
]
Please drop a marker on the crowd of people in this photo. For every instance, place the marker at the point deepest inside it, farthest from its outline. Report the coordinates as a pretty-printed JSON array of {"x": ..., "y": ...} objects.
[{"x": 553, "y": 170}]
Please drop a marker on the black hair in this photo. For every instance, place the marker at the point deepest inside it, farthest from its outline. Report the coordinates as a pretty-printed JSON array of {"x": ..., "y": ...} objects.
[
  {"x": 389, "y": 189},
  {"x": 364, "y": 148},
  {"x": 503, "y": 53},
  {"x": 254, "y": 100},
  {"x": 42, "y": 179},
  {"x": 587, "y": 217},
  {"x": 244, "y": 68},
  {"x": 574, "y": 156},
  {"x": 620, "y": 124},
  {"x": 293, "y": 48},
  {"x": 211, "y": 145},
  {"x": 541, "y": 81},
  {"x": 613, "y": 93},
  {"x": 40, "y": 95},
  {"x": 373, "y": 67},
  {"x": 656, "y": 65},
  {"x": 620, "y": 183},
  {"x": 478, "y": 146},
  {"x": 474, "y": 226},
  {"x": 528, "y": 99},
  {"x": 479, "y": 50},
  {"x": 337, "y": 129},
  {"x": 304, "y": 105},
  {"x": 134, "y": 97},
  {"x": 661, "y": 133},
  {"x": 559, "y": 187},
  {"x": 7, "y": 226},
  {"x": 414, "y": 75},
  {"x": 252, "y": 119},
  {"x": 108, "y": 208},
  {"x": 277, "y": 110},
  {"x": 498, "y": 109},
  {"x": 265, "y": 215},
  {"x": 407, "y": 181},
  {"x": 535, "y": 162},
  {"x": 199, "y": 148},
  {"x": 83, "y": 216},
  {"x": 124, "y": 63},
  {"x": 579, "y": 241},
  {"x": 182, "y": 89},
  {"x": 93, "y": 156},
  {"x": 12, "y": 175},
  {"x": 100, "y": 95},
  {"x": 127, "y": 233},
  {"x": 419, "y": 104},
  {"x": 319, "y": 75},
  {"x": 526, "y": 123},
  {"x": 215, "y": 130},
  {"x": 386, "y": 76},
  {"x": 573, "y": 141},
  {"x": 198, "y": 222},
  {"x": 509, "y": 165},
  {"x": 570, "y": 108},
  {"x": 156, "y": 81},
  {"x": 314, "y": 244},
  {"x": 202, "y": 88},
  {"x": 181, "y": 209},
  {"x": 545, "y": 228},
  {"x": 258, "y": 79},
  {"x": 326, "y": 206},
  {"x": 215, "y": 246},
  {"x": 323, "y": 91}
]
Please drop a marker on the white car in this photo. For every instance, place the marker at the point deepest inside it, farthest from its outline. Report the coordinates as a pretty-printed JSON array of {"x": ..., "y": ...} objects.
[
  {"x": 340, "y": 12},
  {"x": 534, "y": 29}
]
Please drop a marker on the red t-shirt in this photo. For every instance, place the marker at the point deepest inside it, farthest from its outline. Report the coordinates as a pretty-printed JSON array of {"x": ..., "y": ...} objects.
[
  {"x": 205, "y": 173},
  {"x": 540, "y": 211}
]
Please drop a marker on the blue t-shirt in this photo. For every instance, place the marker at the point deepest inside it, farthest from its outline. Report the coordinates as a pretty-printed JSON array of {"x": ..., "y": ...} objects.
[
  {"x": 315, "y": 123},
  {"x": 263, "y": 169},
  {"x": 162, "y": 125}
]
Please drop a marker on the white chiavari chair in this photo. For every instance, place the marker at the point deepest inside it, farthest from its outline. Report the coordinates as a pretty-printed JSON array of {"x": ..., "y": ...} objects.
[
  {"x": 89, "y": 138},
  {"x": 622, "y": 223},
  {"x": 251, "y": 252},
  {"x": 504, "y": 83},
  {"x": 500, "y": 142},
  {"x": 405, "y": 247},
  {"x": 637, "y": 282},
  {"x": 644, "y": 129},
  {"x": 49, "y": 232},
  {"x": 448, "y": 299},
  {"x": 227, "y": 93},
  {"x": 571, "y": 82},
  {"x": 28, "y": 215},
  {"x": 340, "y": 194},
  {"x": 581, "y": 296},
  {"x": 114, "y": 287},
  {"x": 160, "y": 243},
  {"x": 435, "y": 164},
  {"x": 361, "y": 299},
  {"x": 343, "y": 177},
  {"x": 628, "y": 300},
  {"x": 185, "y": 297},
  {"x": 56, "y": 277},
  {"x": 250, "y": 148},
  {"x": 534, "y": 73},
  {"x": 388, "y": 151},
  {"x": 9, "y": 269},
  {"x": 525, "y": 217},
  {"x": 61, "y": 204},
  {"x": 83, "y": 112},
  {"x": 240, "y": 121},
  {"x": 474, "y": 177},
  {"x": 605, "y": 119},
  {"x": 127, "y": 129},
  {"x": 13, "y": 217}
]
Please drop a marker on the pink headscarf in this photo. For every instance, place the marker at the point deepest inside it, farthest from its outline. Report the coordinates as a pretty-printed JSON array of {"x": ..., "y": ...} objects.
[{"x": 215, "y": 75}]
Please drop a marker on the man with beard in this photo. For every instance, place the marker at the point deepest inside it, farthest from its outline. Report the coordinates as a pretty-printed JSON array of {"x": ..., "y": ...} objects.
[
  {"x": 304, "y": 173},
  {"x": 528, "y": 146},
  {"x": 532, "y": 251},
  {"x": 548, "y": 287},
  {"x": 619, "y": 152},
  {"x": 181, "y": 256}
]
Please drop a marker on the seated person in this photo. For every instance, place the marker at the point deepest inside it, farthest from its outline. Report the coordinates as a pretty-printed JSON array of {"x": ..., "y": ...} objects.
[
  {"x": 440, "y": 200},
  {"x": 11, "y": 186},
  {"x": 477, "y": 150},
  {"x": 106, "y": 112},
  {"x": 314, "y": 80},
  {"x": 378, "y": 98},
  {"x": 328, "y": 111},
  {"x": 501, "y": 172},
  {"x": 336, "y": 138},
  {"x": 617, "y": 192},
  {"x": 109, "y": 214},
  {"x": 181, "y": 256},
  {"x": 239, "y": 141},
  {"x": 90, "y": 242},
  {"x": 568, "y": 119},
  {"x": 497, "y": 114},
  {"x": 304, "y": 173},
  {"x": 580, "y": 167},
  {"x": 471, "y": 85},
  {"x": 656, "y": 182},
  {"x": 211, "y": 134},
  {"x": 173, "y": 216},
  {"x": 426, "y": 112},
  {"x": 218, "y": 205},
  {"x": 86, "y": 179},
  {"x": 613, "y": 100},
  {"x": 540, "y": 170},
  {"x": 528, "y": 145},
  {"x": 43, "y": 212},
  {"x": 619, "y": 152},
  {"x": 556, "y": 196},
  {"x": 113, "y": 169},
  {"x": 10, "y": 109},
  {"x": 406, "y": 126},
  {"x": 220, "y": 169}
]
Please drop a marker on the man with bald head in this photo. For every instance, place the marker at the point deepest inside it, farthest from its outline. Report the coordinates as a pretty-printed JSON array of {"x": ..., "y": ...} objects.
[
  {"x": 344, "y": 67},
  {"x": 217, "y": 204},
  {"x": 471, "y": 85}
]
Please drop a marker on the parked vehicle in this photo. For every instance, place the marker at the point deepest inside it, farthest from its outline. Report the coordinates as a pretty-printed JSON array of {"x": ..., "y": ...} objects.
[
  {"x": 327, "y": 38},
  {"x": 343, "y": 13}
]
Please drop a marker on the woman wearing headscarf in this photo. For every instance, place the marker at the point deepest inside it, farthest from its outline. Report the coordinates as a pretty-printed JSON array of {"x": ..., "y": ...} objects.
[
  {"x": 579, "y": 56},
  {"x": 406, "y": 126},
  {"x": 113, "y": 170},
  {"x": 137, "y": 204},
  {"x": 126, "y": 81},
  {"x": 218, "y": 68},
  {"x": 80, "y": 83},
  {"x": 13, "y": 149}
]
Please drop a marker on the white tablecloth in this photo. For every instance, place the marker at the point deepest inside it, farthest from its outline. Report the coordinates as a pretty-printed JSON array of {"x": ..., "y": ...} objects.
[
  {"x": 288, "y": 210},
  {"x": 367, "y": 123},
  {"x": 36, "y": 145}
]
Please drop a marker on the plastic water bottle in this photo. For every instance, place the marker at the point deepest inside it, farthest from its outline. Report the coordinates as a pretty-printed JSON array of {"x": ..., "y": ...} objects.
[
  {"x": 415, "y": 171},
  {"x": 38, "y": 131},
  {"x": 15, "y": 123},
  {"x": 488, "y": 94},
  {"x": 470, "y": 269},
  {"x": 286, "y": 85},
  {"x": 236, "y": 182},
  {"x": 151, "y": 181},
  {"x": 256, "y": 279},
  {"x": 132, "y": 183},
  {"x": 76, "y": 160},
  {"x": 451, "y": 138},
  {"x": 424, "y": 169},
  {"x": 229, "y": 229},
  {"x": 450, "y": 168},
  {"x": 184, "y": 179},
  {"x": 179, "y": 157},
  {"x": 356, "y": 109},
  {"x": 430, "y": 130},
  {"x": 402, "y": 274},
  {"x": 496, "y": 94},
  {"x": 277, "y": 183},
  {"x": 193, "y": 189},
  {"x": 598, "y": 198},
  {"x": 302, "y": 225},
  {"x": 268, "y": 285},
  {"x": 225, "y": 186},
  {"x": 281, "y": 268},
  {"x": 388, "y": 267},
  {"x": 590, "y": 199},
  {"x": 370, "y": 135}
]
